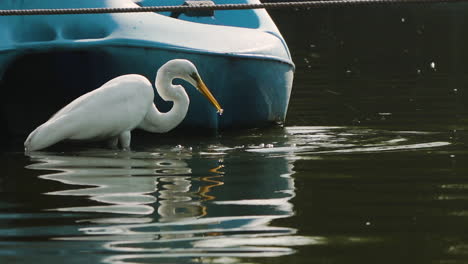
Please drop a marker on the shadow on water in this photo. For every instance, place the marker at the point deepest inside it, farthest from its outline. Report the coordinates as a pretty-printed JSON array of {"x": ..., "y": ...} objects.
[{"x": 211, "y": 202}]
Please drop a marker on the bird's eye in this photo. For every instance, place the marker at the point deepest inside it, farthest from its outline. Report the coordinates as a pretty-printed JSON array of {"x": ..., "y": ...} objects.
[{"x": 195, "y": 76}]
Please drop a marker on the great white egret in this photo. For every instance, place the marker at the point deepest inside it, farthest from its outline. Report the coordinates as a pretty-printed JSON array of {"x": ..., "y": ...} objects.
[{"x": 126, "y": 102}]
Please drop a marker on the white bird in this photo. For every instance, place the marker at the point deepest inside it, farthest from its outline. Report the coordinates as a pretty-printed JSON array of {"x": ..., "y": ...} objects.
[{"x": 122, "y": 104}]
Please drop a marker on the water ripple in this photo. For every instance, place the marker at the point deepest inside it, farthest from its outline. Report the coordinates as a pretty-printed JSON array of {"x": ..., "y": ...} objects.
[
  {"x": 216, "y": 202},
  {"x": 179, "y": 202}
]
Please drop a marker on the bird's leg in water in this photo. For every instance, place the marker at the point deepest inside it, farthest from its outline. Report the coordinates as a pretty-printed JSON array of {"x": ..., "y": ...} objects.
[
  {"x": 113, "y": 142},
  {"x": 124, "y": 139}
]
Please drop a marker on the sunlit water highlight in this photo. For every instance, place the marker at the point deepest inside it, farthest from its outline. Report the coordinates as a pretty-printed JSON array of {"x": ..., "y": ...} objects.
[{"x": 216, "y": 202}]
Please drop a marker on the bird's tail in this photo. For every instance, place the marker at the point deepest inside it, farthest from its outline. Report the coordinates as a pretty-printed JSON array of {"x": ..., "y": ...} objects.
[{"x": 49, "y": 133}]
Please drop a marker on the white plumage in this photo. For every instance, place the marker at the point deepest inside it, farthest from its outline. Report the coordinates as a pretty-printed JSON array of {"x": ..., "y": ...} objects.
[{"x": 122, "y": 104}]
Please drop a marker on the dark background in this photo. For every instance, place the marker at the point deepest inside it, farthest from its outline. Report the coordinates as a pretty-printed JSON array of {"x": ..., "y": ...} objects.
[{"x": 380, "y": 65}]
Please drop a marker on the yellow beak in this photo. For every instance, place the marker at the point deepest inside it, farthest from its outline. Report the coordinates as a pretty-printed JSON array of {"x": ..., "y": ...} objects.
[{"x": 206, "y": 92}]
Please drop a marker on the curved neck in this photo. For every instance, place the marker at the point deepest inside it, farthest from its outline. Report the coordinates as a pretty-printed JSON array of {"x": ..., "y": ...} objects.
[{"x": 158, "y": 122}]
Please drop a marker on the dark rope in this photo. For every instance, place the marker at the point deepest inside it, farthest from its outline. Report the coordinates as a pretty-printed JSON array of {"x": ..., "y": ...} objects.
[{"x": 305, "y": 4}]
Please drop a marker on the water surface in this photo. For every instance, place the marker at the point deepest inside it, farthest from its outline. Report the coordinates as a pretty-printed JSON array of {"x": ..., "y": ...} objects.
[{"x": 239, "y": 198}]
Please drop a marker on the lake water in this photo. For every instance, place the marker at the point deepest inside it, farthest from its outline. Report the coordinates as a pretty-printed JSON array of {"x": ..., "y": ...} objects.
[{"x": 370, "y": 167}]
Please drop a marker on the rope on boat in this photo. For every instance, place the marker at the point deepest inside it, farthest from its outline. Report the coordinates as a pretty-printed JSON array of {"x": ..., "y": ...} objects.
[{"x": 184, "y": 8}]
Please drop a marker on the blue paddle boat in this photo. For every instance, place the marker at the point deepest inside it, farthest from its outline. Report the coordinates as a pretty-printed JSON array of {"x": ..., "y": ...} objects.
[{"x": 46, "y": 61}]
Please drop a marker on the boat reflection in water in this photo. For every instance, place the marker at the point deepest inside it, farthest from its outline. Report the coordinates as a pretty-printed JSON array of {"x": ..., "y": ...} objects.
[{"x": 169, "y": 203}]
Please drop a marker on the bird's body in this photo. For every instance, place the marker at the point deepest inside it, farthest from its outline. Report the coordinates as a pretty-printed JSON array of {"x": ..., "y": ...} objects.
[{"x": 122, "y": 104}]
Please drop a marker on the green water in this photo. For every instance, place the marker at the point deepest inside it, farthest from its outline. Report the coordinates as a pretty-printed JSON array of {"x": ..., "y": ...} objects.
[{"x": 370, "y": 167}]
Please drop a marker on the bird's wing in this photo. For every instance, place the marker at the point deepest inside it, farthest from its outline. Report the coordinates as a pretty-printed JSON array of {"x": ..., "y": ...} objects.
[{"x": 77, "y": 103}]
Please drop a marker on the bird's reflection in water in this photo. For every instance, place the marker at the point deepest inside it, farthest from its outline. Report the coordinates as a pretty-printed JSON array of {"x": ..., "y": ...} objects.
[
  {"x": 111, "y": 181},
  {"x": 167, "y": 204}
]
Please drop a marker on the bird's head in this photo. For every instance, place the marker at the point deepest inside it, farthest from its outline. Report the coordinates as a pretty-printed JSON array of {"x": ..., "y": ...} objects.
[{"x": 189, "y": 72}]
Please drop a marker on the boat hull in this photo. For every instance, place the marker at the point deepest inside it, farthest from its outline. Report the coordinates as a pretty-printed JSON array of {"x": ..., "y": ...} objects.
[
  {"x": 248, "y": 70},
  {"x": 254, "y": 92}
]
